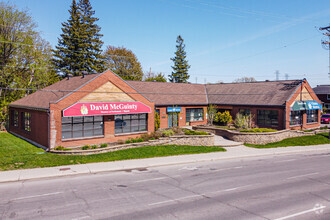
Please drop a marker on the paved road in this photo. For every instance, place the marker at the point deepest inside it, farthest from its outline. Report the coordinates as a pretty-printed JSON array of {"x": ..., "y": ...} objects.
[{"x": 273, "y": 187}]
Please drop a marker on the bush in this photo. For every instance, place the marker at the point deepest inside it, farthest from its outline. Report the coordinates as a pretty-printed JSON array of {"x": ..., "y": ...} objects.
[
  {"x": 258, "y": 130},
  {"x": 103, "y": 145},
  {"x": 86, "y": 147},
  {"x": 223, "y": 117},
  {"x": 168, "y": 133},
  {"x": 157, "y": 121},
  {"x": 120, "y": 142},
  {"x": 325, "y": 127},
  {"x": 59, "y": 148},
  {"x": 94, "y": 146},
  {"x": 128, "y": 141},
  {"x": 192, "y": 132},
  {"x": 244, "y": 121}
]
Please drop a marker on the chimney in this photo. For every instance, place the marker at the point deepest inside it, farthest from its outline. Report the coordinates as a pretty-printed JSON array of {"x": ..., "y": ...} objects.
[
  {"x": 84, "y": 73},
  {"x": 69, "y": 75}
]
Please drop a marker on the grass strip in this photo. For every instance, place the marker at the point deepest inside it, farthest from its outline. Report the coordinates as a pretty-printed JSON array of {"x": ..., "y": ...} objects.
[
  {"x": 321, "y": 138},
  {"x": 16, "y": 153}
]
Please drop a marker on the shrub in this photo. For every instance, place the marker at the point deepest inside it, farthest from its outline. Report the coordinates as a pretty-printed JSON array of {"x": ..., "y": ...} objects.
[
  {"x": 59, "y": 148},
  {"x": 94, "y": 146},
  {"x": 192, "y": 132},
  {"x": 145, "y": 137},
  {"x": 128, "y": 141},
  {"x": 258, "y": 130},
  {"x": 223, "y": 117},
  {"x": 86, "y": 147},
  {"x": 103, "y": 145},
  {"x": 325, "y": 127},
  {"x": 120, "y": 142},
  {"x": 168, "y": 133},
  {"x": 157, "y": 121},
  {"x": 244, "y": 121}
]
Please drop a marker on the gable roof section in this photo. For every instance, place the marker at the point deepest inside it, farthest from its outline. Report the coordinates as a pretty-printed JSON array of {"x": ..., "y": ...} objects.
[
  {"x": 271, "y": 93},
  {"x": 162, "y": 93},
  {"x": 322, "y": 89},
  {"x": 54, "y": 92}
]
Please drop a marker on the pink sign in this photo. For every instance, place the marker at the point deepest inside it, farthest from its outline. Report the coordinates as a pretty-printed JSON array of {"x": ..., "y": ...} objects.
[{"x": 106, "y": 108}]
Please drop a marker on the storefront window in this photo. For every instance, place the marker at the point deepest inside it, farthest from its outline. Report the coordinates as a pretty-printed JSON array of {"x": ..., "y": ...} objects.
[
  {"x": 26, "y": 121},
  {"x": 295, "y": 118},
  {"x": 130, "y": 123},
  {"x": 267, "y": 117},
  {"x": 14, "y": 116},
  {"x": 78, "y": 127},
  {"x": 312, "y": 116},
  {"x": 194, "y": 114}
]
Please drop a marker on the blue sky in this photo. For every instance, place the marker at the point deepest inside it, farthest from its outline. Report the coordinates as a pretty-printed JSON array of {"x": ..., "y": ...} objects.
[{"x": 224, "y": 39}]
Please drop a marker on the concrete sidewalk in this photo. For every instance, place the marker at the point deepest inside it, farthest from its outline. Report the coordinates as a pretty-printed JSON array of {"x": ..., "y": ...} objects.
[{"x": 232, "y": 152}]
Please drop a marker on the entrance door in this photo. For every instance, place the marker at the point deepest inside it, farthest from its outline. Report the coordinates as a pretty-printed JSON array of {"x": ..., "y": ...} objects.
[{"x": 173, "y": 119}]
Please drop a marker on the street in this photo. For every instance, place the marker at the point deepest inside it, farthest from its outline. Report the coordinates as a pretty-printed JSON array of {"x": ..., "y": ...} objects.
[{"x": 295, "y": 186}]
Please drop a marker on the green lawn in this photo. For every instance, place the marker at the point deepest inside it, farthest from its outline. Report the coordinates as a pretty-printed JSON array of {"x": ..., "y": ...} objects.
[
  {"x": 321, "y": 138},
  {"x": 16, "y": 153}
]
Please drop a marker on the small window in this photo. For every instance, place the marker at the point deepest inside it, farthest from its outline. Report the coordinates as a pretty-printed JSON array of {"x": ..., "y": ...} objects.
[
  {"x": 26, "y": 121},
  {"x": 245, "y": 112},
  {"x": 328, "y": 96},
  {"x": 194, "y": 114},
  {"x": 14, "y": 120}
]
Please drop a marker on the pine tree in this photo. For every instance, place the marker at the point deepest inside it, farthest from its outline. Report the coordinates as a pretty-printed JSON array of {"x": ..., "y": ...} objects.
[
  {"x": 180, "y": 68},
  {"x": 79, "y": 48}
]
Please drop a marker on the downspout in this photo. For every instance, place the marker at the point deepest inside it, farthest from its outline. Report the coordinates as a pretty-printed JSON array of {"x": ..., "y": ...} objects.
[
  {"x": 285, "y": 114},
  {"x": 48, "y": 133}
]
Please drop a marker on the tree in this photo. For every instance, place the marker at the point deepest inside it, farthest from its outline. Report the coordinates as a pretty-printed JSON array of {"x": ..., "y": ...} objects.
[
  {"x": 155, "y": 77},
  {"x": 180, "y": 68},
  {"x": 211, "y": 111},
  {"x": 124, "y": 63},
  {"x": 25, "y": 58},
  {"x": 79, "y": 46},
  {"x": 245, "y": 79}
]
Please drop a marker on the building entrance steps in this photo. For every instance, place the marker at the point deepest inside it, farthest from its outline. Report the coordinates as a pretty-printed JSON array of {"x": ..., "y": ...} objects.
[{"x": 223, "y": 142}]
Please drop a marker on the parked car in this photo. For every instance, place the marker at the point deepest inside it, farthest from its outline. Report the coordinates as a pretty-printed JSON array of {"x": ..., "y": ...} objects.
[{"x": 325, "y": 119}]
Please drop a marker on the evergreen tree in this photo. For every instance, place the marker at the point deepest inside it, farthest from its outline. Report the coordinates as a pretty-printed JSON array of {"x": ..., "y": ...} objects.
[
  {"x": 180, "y": 68},
  {"x": 79, "y": 47}
]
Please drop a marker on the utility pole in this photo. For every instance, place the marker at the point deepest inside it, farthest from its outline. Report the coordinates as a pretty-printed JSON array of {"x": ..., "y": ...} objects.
[
  {"x": 277, "y": 73},
  {"x": 326, "y": 45},
  {"x": 286, "y": 76}
]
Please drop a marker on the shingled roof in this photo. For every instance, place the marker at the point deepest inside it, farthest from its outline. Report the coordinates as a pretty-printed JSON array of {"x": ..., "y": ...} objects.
[
  {"x": 53, "y": 93},
  {"x": 322, "y": 89},
  {"x": 162, "y": 93},
  {"x": 270, "y": 93}
]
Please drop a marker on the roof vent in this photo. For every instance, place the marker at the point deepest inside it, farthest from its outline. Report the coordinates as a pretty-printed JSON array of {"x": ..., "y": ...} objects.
[
  {"x": 69, "y": 75},
  {"x": 84, "y": 73}
]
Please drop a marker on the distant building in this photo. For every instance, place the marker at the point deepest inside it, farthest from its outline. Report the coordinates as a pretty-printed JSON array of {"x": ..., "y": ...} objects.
[
  {"x": 102, "y": 108},
  {"x": 323, "y": 93}
]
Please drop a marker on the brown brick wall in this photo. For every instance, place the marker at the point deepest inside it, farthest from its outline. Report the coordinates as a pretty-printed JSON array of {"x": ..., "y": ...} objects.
[{"x": 39, "y": 126}]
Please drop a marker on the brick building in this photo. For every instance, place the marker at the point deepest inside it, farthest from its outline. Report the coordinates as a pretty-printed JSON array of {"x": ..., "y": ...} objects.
[
  {"x": 101, "y": 108},
  {"x": 323, "y": 93}
]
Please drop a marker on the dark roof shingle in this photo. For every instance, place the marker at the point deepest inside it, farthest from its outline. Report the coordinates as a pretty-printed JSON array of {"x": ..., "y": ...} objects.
[
  {"x": 273, "y": 93},
  {"x": 58, "y": 90},
  {"x": 162, "y": 93},
  {"x": 322, "y": 89}
]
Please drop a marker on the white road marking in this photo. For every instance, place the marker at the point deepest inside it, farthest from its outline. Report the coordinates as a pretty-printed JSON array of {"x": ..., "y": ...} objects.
[
  {"x": 175, "y": 200},
  {"x": 309, "y": 174},
  {"x": 282, "y": 161},
  {"x": 83, "y": 217},
  {"x": 35, "y": 196},
  {"x": 153, "y": 179},
  {"x": 301, "y": 213}
]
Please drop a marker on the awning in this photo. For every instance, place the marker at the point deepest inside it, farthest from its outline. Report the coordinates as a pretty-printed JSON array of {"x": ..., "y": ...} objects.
[{"x": 305, "y": 105}]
